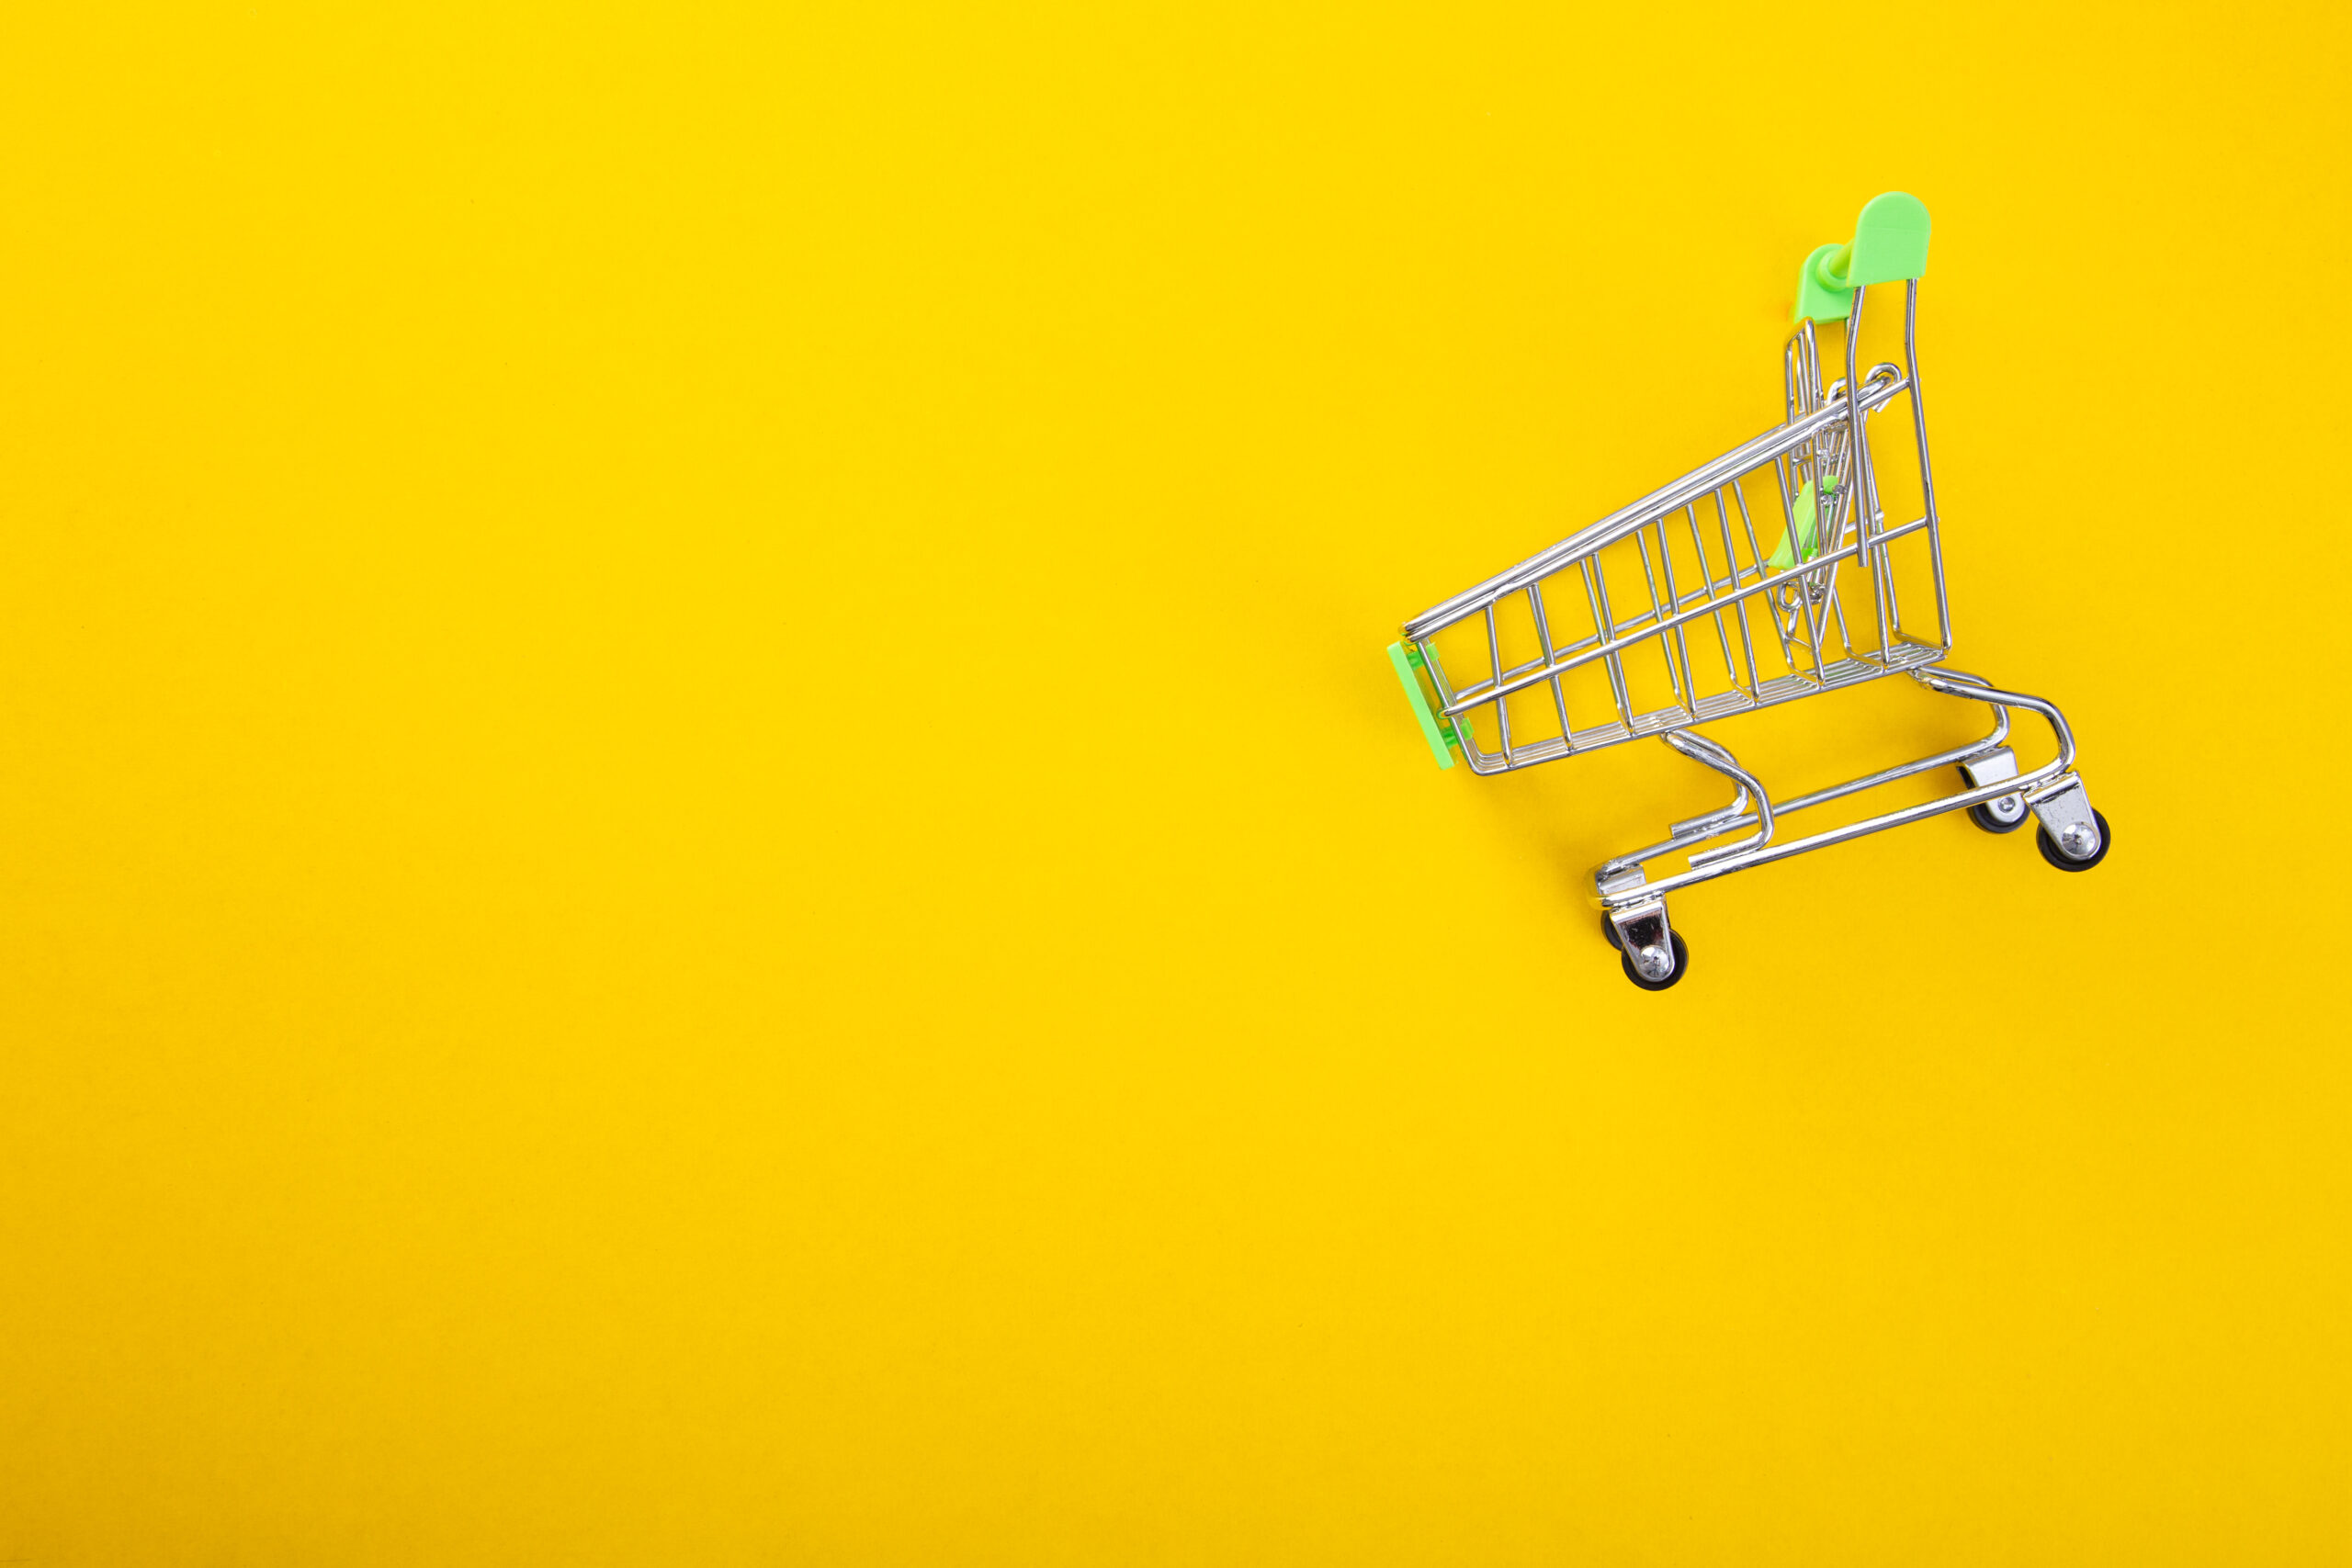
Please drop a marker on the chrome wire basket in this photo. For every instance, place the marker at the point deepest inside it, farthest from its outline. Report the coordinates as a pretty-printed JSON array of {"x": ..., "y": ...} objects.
[{"x": 1672, "y": 613}]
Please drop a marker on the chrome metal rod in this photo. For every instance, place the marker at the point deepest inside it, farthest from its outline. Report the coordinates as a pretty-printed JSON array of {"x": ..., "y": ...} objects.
[
  {"x": 1474, "y": 696},
  {"x": 2027, "y": 784},
  {"x": 1717, "y": 824},
  {"x": 1926, "y": 471},
  {"x": 1884, "y": 383}
]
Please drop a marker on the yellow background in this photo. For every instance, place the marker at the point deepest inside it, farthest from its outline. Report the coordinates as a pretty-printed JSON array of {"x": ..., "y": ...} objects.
[{"x": 706, "y": 857}]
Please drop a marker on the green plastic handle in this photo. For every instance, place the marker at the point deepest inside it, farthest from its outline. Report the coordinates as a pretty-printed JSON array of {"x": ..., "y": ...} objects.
[
  {"x": 1890, "y": 245},
  {"x": 1435, "y": 730}
]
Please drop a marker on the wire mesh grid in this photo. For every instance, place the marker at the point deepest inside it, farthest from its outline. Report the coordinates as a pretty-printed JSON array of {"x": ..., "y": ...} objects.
[{"x": 1725, "y": 592}]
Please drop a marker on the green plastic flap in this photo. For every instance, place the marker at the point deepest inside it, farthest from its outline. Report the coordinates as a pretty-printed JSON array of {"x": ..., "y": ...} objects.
[
  {"x": 1434, "y": 731},
  {"x": 1805, "y": 536},
  {"x": 1890, "y": 241},
  {"x": 1890, "y": 245}
]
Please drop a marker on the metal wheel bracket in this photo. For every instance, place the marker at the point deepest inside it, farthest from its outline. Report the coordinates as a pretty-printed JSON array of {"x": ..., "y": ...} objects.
[
  {"x": 2064, "y": 810},
  {"x": 1646, "y": 939},
  {"x": 1992, "y": 767}
]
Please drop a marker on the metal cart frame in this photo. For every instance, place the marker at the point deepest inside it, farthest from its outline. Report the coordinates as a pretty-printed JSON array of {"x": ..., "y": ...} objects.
[{"x": 1821, "y": 465}]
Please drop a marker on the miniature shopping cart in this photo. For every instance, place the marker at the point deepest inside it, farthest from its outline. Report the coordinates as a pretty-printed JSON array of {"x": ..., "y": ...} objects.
[{"x": 1804, "y": 562}]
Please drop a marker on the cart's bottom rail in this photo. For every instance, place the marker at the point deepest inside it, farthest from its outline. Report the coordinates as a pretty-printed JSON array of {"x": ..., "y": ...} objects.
[
  {"x": 2072, "y": 835},
  {"x": 1849, "y": 672}
]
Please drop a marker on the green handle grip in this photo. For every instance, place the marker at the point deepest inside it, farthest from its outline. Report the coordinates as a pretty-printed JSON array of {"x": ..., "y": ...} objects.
[{"x": 1890, "y": 245}]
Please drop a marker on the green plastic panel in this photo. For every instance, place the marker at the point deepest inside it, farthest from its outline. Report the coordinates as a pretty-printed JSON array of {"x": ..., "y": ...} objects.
[
  {"x": 1805, "y": 536},
  {"x": 1890, "y": 241},
  {"x": 1434, "y": 731},
  {"x": 1890, "y": 245}
]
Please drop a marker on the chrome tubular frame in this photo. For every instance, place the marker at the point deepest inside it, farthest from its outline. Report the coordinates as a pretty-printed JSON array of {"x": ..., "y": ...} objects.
[{"x": 1778, "y": 620}]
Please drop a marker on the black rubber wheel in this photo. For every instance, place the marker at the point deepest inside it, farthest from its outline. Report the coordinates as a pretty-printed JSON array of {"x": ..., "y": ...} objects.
[
  {"x": 1681, "y": 965},
  {"x": 2050, "y": 851},
  {"x": 1608, "y": 933},
  {"x": 1983, "y": 816}
]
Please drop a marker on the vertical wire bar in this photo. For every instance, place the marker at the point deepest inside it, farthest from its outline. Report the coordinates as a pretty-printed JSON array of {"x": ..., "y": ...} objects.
[
  {"x": 1817, "y": 625},
  {"x": 1707, "y": 576},
  {"x": 1834, "y": 520},
  {"x": 1739, "y": 600},
  {"x": 1756, "y": 553},
  {"x": 1544, "y": 637},
  {"x": 1831, "y": 516},
  {"x": 1858, "y": 457},
  {"x": 1495, "y": 658},
  {"x": 1927, "y": 476},
  {"x": 1834, "y": 604},
  {"x": 1869, "y": 498},
  {"x": 1658, "y": 615},
  {"x": 1882, "y": 575},
  {"x": 1437, "y": 671},
  {"x": 1598, "y": 591},
  {"x": 1810, "y": 613},
  {"x": 1796, "y": 543},
  {"x": 1796, "y": 470},
  {"x": 1674, "y": 597},
  {"x": 1878, "y": 520}
]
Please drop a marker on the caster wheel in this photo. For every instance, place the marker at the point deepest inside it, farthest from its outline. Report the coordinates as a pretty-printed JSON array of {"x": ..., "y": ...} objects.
[
  {"x": 2050, "y": 853},
  {"x": 1987, "y": 815},
  {"x": 1608, "y": 933},
  {"x": 1681, "y": 965}
]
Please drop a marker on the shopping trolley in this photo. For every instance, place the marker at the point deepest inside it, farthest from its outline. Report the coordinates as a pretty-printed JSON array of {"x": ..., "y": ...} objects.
[{"x": 1617, "y": 631}]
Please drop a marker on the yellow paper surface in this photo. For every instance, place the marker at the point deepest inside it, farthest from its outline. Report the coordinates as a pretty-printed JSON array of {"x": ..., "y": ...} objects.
[{"x": 706, "y": 855}]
